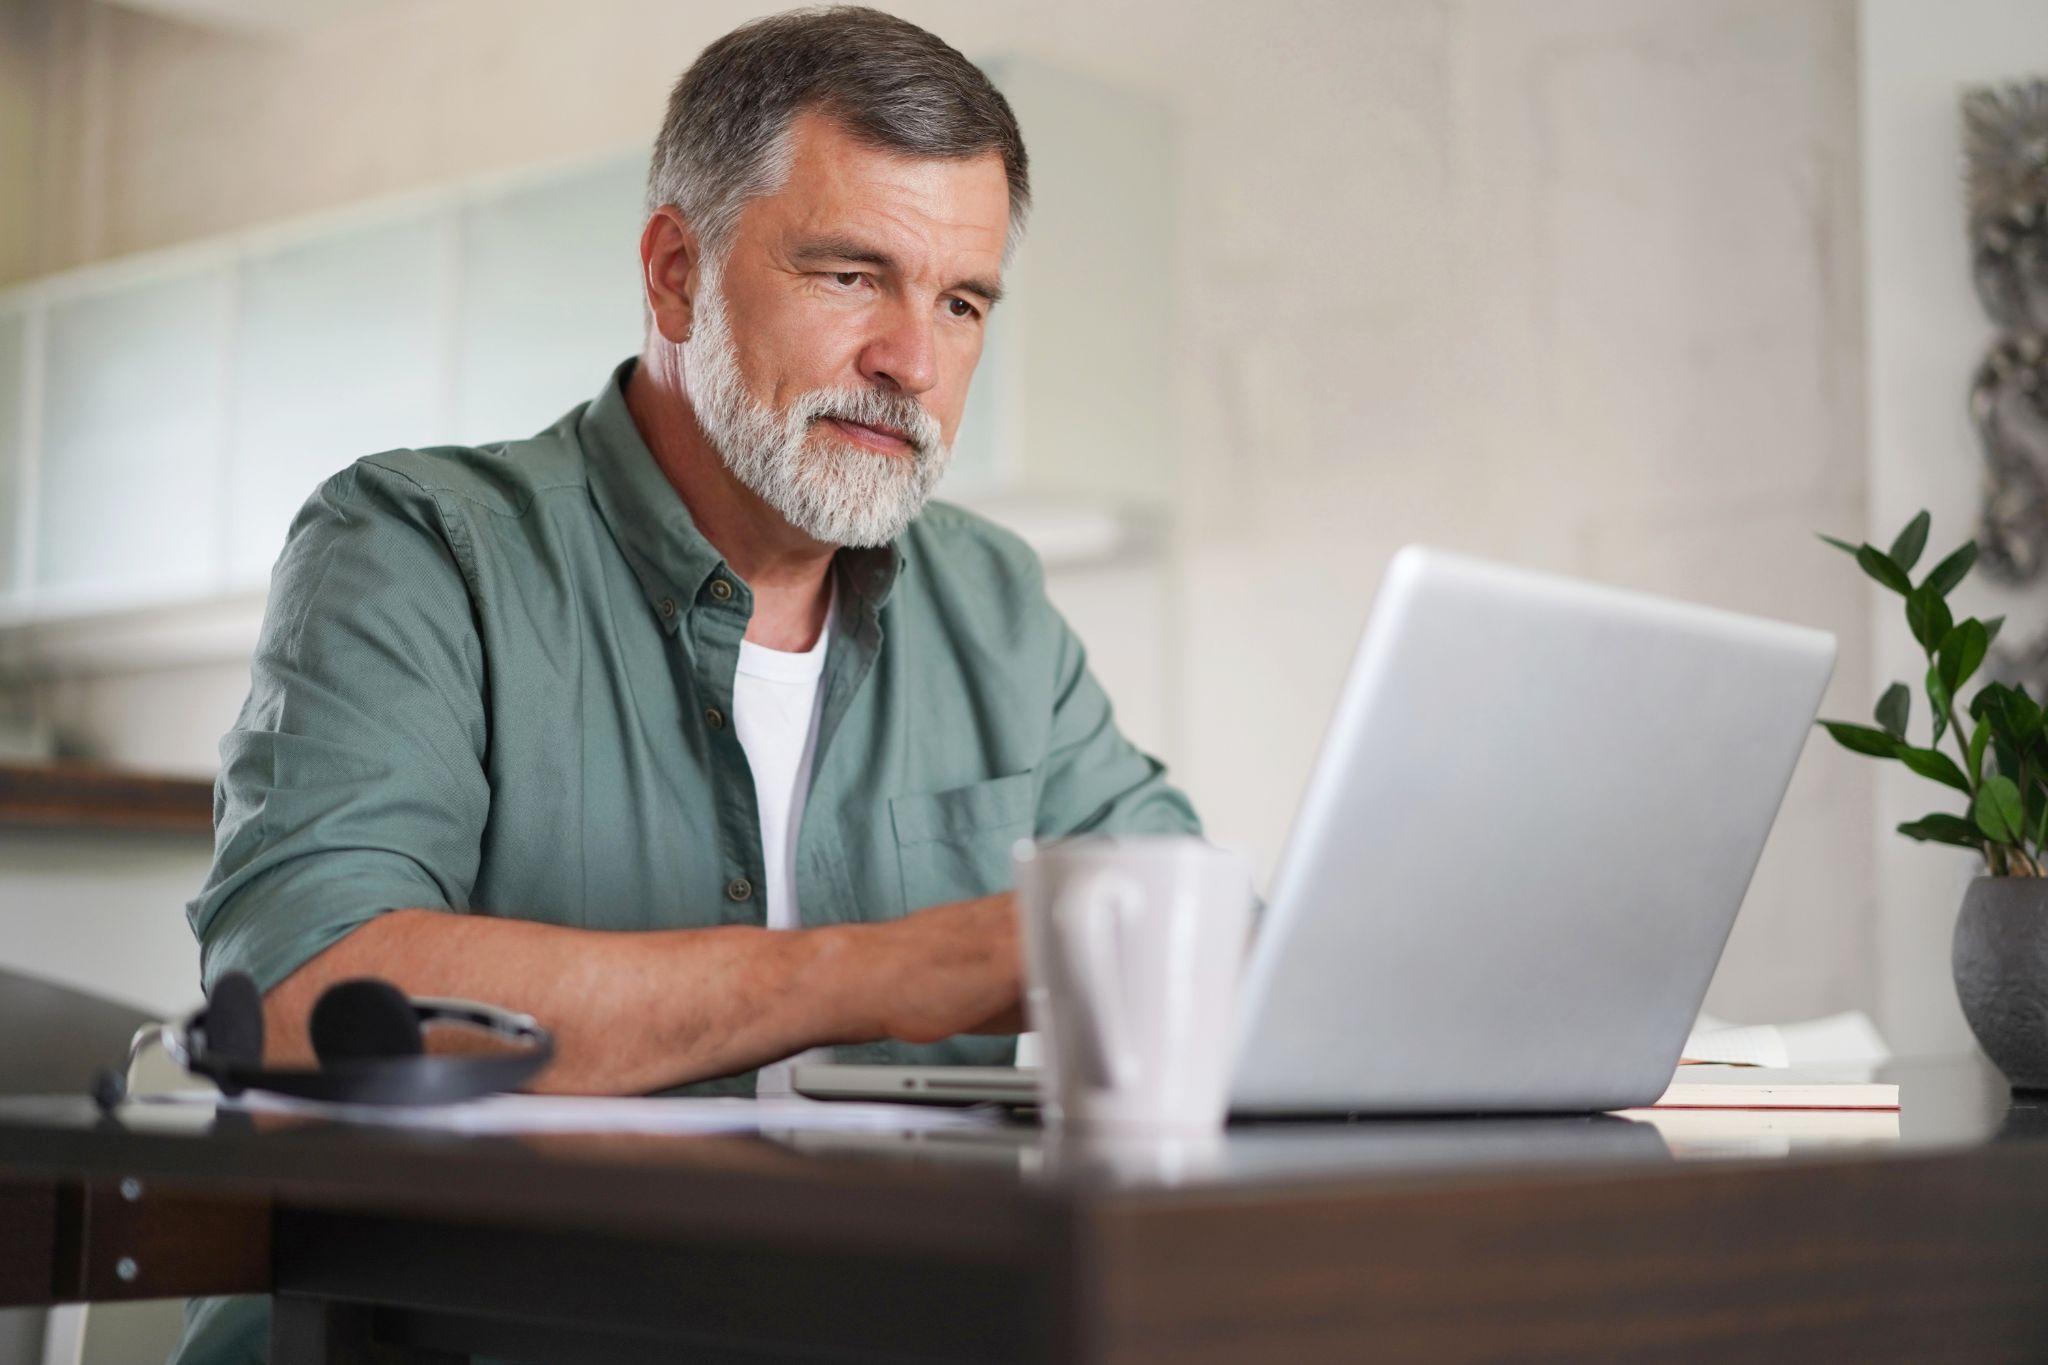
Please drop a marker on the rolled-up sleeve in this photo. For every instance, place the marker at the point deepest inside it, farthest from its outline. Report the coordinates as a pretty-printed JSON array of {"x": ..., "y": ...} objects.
[{"x": 353, "y": 781}]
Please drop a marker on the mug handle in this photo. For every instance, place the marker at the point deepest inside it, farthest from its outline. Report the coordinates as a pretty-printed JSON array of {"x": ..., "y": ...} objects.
[{"x": 1092, "y": 915}]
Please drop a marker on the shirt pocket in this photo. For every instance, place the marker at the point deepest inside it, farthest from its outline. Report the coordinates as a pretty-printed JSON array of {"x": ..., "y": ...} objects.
[{"x": 955, "y": 844}]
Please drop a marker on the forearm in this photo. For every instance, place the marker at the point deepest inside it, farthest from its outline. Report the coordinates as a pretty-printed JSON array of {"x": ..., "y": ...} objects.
[{"x": 633, "y": 1012}]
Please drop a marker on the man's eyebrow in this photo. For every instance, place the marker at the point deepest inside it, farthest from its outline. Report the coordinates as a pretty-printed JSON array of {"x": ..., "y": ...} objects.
[
  {"x": 838, "y": 248},
  {"x": 988, "y": 289}
]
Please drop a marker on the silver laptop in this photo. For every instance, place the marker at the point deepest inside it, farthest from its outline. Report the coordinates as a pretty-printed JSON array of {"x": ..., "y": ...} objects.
[{"x": 1535, "y": 814}]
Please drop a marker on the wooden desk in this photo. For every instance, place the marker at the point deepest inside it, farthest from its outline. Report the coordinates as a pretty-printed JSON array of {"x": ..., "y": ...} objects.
[{"x": 1574, "y": 1238}]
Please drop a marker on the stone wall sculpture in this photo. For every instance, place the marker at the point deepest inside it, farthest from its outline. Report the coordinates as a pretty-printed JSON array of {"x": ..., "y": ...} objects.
[{"x": 2005, "y": 131}]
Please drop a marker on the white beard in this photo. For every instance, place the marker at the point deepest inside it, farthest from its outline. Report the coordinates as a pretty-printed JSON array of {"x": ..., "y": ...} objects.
[{"x": 828, "y": 488}]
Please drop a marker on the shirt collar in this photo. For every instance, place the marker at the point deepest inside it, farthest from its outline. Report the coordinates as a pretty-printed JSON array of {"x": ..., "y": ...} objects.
[{"x": 669, "y": 556}]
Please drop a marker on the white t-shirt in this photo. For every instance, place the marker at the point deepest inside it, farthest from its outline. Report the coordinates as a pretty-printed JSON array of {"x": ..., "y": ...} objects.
[{"x": 775, "y": 705}]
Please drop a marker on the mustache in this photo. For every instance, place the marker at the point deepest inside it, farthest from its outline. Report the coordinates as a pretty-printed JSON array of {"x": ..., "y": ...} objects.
[{"x": 895, "y": 412}]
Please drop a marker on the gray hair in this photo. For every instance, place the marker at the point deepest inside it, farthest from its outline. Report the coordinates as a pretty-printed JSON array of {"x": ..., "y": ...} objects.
[{"x": 725, "y": 139}]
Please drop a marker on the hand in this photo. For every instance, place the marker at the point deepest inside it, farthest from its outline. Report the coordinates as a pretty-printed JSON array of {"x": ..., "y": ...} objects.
[
  {"x": 949, "y": 969},
  {"x": 1010, "y": 1020}
]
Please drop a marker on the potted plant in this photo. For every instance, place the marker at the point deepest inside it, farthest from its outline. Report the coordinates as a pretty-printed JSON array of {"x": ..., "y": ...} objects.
[{"x": 1998, "y": 771}]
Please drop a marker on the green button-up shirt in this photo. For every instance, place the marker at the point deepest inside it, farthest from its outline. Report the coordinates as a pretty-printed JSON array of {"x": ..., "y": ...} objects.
[{"x": 484, "y": 685}]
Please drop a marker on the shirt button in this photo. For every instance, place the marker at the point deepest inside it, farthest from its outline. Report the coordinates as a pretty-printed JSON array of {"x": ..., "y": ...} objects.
[
  {"x": 668, "y": 608},
  {"x": 714, "y": 718},
  {"x": 738, "y": 889},
  {"x": 721, "y": 589}
]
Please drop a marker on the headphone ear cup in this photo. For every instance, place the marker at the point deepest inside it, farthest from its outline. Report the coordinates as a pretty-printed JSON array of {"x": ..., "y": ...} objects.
[
  {"x": 364, "y": 1019},
  {"x": 233, "y": 1021}
]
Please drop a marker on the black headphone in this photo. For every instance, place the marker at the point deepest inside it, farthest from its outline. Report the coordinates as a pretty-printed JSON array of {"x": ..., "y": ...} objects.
[{"x": 367, "y": 1035}]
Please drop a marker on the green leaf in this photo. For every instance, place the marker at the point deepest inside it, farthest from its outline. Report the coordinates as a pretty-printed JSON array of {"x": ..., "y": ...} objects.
[
  {"x": 1944, "y": 576},
  {"x": 2016, "y": 721},
  {"x": 1999, "y": 811},
  {"x": 1942, "y": 828},
  {"x": 2022, "y": 715},
  {"x": 1938, "y": 701},
  {"x": 1977, "y": 742},
  {"x": 1935, "y": 764},
  {"x": 1905, "y": 551},
  {"x": 1991, "y": 628},
  {"x": 1841, "y": 545},
  {"x": 1894, "y": 708},
  {"x": 1862, "y": 739},
  {"x": 1962, "y": 650},
  {"x": 1879, "y": 566},
  {"x": 1928, "y": 617}
]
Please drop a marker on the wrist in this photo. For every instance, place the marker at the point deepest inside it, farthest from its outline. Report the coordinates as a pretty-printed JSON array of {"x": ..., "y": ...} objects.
[{"x": 851, "y": 982}]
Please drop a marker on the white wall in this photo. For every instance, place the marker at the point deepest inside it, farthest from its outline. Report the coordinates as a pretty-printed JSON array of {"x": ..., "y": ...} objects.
[
  {"x": 1926, "y": 335},
  {"x": 1583, "y": 295},
  {"x": 1571, "y": 283}
]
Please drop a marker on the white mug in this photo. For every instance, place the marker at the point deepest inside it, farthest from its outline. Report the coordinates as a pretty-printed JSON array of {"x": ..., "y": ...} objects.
[{"x": 1132, "y": 951}]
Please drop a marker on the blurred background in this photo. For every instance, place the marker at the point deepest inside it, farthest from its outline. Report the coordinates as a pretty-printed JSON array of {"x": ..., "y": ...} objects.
[{"x": 1645, "y": 291}]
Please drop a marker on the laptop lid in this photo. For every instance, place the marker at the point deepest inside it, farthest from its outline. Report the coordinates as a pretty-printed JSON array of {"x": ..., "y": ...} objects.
[{"x": 1534, "y": 816}]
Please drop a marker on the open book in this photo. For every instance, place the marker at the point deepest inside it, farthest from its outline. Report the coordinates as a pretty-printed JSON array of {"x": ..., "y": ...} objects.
[{"x": 1820, "y": 1064}]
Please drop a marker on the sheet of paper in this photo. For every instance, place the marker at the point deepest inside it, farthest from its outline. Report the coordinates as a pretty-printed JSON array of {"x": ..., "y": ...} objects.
[
  {"x": 1836, "y": 1039},
  {"x": 653, "y": 1114},
  {"x": 1751, "y": 1045}
]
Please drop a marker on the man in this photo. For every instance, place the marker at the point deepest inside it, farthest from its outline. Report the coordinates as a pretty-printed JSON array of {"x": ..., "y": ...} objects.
[{"x": 688, "y": 726}]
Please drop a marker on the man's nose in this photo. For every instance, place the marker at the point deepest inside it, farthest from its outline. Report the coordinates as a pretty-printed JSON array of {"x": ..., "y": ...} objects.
[{"x": 902, "y": 354}]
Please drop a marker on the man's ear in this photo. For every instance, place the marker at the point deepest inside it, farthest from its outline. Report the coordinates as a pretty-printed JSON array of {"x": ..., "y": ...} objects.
[{"x": 671, "y": 261}]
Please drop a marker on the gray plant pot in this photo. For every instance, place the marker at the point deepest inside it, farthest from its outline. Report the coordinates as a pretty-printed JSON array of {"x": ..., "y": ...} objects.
[{"x": 2000, "y": 958}]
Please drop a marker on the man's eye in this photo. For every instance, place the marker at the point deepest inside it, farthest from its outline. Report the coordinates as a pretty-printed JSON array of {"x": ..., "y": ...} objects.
[
  {"x": 847, "y": 279},
  {"x": 961, "y": 308}
]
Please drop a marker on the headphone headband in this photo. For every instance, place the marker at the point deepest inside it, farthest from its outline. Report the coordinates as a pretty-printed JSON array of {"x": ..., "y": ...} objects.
[{"x": 367, "y": 1036}]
